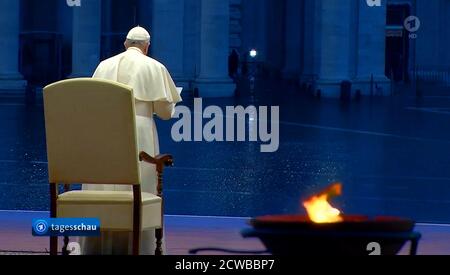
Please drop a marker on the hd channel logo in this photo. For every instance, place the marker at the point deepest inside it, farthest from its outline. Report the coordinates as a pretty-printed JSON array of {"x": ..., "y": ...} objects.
[{"x": 65, "y": 227}]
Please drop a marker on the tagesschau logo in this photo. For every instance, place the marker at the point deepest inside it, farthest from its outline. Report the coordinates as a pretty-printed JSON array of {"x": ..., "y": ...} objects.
[{"x": 66, "y": 227}]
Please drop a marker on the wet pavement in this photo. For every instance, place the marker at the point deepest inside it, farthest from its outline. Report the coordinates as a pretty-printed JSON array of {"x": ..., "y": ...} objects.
[
  {"x": 184, "y": 233},
  {"x": 392, "y": 155}
]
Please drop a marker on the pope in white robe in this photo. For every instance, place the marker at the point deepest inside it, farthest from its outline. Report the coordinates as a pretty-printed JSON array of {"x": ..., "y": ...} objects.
[{"x": 155, "y": 93}]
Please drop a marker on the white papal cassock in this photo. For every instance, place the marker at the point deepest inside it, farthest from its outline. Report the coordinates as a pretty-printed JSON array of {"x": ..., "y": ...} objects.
[{"x": 155, "y": 93}]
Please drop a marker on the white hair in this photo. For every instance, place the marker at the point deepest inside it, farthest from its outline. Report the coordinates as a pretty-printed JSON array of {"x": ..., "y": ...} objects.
[{"x": 138, "y": 43}]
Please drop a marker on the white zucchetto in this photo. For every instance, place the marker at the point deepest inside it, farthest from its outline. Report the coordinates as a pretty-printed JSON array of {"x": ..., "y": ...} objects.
[{"x": 138, "y": 34}]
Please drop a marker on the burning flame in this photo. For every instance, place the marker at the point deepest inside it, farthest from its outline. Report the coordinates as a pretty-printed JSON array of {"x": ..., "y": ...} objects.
[{"x": 320, "y": 210}]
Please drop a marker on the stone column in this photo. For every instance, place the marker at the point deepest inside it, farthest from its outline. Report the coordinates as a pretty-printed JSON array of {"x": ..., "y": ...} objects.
[
  {"x": 106, "y": 30},
  {"x": 145, "y": 14},
  {"x": 334, "y": 49},
  {"x": 10, "y": 78},
  {"x": 311, "y": 35},
  {"x": 371, "y": 50},
  {"x": 293, "y": 38},
  {"x": 168, "y": 37},
  {"x": 254, "y": 27},
  {"x": 213, "y": 79},
  {"x": 86, "y": 38}
]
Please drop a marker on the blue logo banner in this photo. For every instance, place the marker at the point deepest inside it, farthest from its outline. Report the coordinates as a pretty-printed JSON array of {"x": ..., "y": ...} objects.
[{"x": 66, "y": 227}]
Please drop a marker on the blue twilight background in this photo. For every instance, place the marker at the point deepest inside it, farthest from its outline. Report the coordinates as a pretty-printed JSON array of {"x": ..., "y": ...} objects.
[{"x": 385, "y": 134}]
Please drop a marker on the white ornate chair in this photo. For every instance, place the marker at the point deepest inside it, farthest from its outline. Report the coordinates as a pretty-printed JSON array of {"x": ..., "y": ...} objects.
[{"x": 92, "y": 138}]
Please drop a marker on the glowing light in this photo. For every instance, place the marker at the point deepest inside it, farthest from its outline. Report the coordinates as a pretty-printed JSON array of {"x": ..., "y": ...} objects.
[{"x": 253, "y": 53}]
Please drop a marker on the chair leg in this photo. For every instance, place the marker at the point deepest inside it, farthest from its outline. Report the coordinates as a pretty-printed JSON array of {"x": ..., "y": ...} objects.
[
  {"x": 136, "y": 242},
  {"x": 414, "y": 247},
  {"x": 65, "y": 250},
  {"x": 53, "y": 246},
  {"x": 53, "y": 213},
  {"x": 137, "y": 210},
  {"x": 159, "y": 234}
]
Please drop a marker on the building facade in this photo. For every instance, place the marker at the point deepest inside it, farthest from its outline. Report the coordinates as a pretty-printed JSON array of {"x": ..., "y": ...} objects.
[{"x": 320, "y": 43}]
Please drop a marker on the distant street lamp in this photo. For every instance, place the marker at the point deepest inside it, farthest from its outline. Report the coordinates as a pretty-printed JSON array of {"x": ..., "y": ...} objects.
[{"x": 252, "y": 76}]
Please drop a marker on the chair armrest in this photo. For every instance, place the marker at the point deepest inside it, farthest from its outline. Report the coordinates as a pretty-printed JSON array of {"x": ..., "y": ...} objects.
[{"x": 160, "y": 161}]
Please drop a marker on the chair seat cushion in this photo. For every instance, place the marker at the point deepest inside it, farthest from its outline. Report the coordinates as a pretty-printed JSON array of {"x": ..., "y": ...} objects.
[
  {"x": 102, "y": 197},
  {"x": 113, "y": 208}
]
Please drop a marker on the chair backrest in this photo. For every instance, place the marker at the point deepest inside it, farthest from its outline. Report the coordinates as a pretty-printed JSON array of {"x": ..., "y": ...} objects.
[{"x": 91, "y": 132}]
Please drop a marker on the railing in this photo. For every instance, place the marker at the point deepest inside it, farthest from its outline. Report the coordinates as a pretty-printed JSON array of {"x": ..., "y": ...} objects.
[
  {"x": 436, "y": 77},
  {"x": 431, "y": 81},
  {"x": 308, "y": 84}
]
